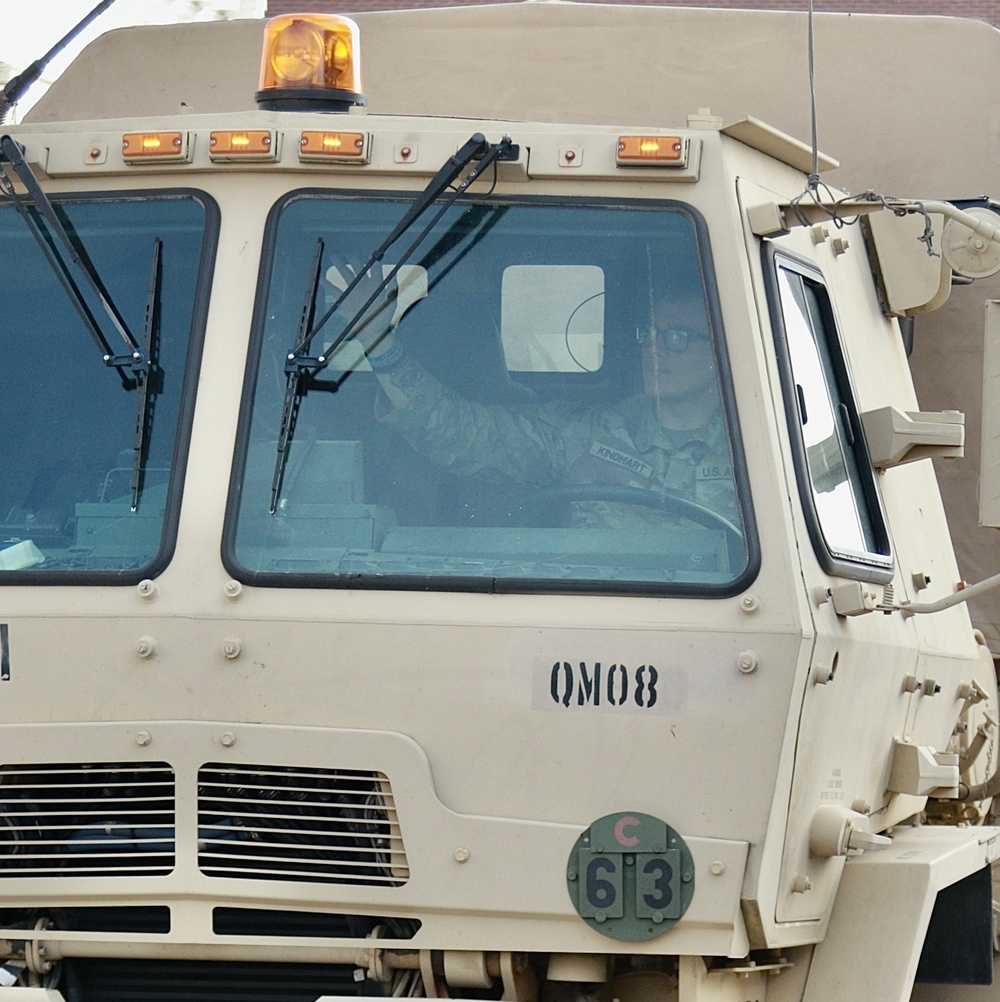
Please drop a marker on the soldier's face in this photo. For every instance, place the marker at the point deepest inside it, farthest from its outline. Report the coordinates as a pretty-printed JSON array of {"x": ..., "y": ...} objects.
[{"x": 678, "y": 358}]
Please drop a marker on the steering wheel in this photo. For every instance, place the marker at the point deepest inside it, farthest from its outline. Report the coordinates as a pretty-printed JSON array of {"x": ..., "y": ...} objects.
[{"x": 624, "y": 494}]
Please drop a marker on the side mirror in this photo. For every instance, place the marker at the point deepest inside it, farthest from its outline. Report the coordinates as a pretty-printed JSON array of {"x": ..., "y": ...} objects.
[{"x": 909, "y": 280}]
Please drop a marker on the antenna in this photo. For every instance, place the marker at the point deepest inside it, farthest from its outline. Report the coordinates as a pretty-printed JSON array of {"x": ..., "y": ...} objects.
[
  {"x": 15, "y": 88},
  {"x": 814, "y": 175}
]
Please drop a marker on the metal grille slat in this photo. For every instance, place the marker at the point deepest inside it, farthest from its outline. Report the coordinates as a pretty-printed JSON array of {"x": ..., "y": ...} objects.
[
  {"x": 309, "y": 876},
  {"x": 272, "y": 852},
  {"x": 382, "y": 825},
  {"x": 57, "y": 828},
  {"x": 262, "y": 843},
  {"x": 92, "y": 871},
  {"x": 13, "y": 805}
]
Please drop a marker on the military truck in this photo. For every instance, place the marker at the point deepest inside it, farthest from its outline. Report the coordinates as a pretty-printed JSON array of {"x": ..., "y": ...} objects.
[{"x": 384, "y": 607}]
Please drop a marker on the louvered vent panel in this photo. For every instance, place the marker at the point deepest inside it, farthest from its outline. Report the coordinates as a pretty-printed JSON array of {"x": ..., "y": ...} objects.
[
  {"x": 207, "y": 981},
  {"x": 285, "y": 823},
  {"x": 103, "y": 819}
]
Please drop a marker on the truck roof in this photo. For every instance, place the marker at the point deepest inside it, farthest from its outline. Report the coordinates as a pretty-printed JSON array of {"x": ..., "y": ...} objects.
[{"x": 540, "y": 64}]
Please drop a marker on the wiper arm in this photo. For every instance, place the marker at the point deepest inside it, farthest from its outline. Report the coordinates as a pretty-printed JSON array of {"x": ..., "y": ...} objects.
[
  {"x": 56, "y": 244},
  {"x": 476, "y": 148},
  {"x": 299, "y": 363},
  {"x": 150, "y": 380}
]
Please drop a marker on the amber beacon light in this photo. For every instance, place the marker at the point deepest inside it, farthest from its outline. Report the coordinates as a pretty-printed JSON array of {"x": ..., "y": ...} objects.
[{"x": 311, "y": 62}]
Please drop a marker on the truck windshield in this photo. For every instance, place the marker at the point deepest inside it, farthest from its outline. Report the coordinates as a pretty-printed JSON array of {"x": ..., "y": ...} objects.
[
  {"x": 79, "y": 498},
  {"x": 549, "y": 411}
]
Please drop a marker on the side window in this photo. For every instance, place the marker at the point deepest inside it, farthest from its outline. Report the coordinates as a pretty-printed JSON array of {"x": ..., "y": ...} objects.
[{"x": 836, "y": 480}]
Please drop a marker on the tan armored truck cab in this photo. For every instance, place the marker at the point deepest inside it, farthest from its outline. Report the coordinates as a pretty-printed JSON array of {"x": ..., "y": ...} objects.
[{"x": 449, "y": 551}]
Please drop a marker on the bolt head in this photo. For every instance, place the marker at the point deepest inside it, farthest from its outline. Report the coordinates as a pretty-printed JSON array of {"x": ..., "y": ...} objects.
[{"x": 801, "y": 884}]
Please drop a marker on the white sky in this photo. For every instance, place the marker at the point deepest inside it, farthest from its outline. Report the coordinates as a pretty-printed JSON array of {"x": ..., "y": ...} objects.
[{"x": 31, "y": 27}]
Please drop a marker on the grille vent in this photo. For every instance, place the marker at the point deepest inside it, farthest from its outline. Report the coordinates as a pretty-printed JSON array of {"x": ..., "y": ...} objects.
[
  {"x": 110, "y": 819},
  {"x": 286, "y": 823},
  {"x": 322, "y": 925},
  {"x": 205, "y": 981},
  {"x": 254, "y": 822}
]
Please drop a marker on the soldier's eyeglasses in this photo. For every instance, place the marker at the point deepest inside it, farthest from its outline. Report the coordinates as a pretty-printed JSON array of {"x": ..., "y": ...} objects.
[{"x": 675, "y": 339}]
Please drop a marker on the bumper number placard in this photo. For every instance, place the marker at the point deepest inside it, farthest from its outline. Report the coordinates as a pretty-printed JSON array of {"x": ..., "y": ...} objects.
[{"x": 630, "y": 876}]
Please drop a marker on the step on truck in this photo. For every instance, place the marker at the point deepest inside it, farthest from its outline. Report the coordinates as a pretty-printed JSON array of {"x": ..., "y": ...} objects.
[{"x": 469, "y": 531}]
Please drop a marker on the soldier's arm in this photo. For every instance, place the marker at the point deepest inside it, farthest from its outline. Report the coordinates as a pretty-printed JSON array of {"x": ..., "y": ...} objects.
[
  {"x": 465, "y": 436},
  {"x": 387, "y": 358}
]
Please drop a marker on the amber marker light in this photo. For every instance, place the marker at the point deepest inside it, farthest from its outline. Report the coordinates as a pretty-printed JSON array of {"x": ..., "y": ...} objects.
[
  {"x": 141, "y": 147},
  {"x": 654, "y": 151},
  {"x": 243, "y": 144},
  {"x": 347, "y": 147},
  {"x": 311, "y": 62}
]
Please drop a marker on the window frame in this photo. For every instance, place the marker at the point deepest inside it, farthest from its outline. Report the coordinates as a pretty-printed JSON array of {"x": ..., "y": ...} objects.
[
  {"x": 40, "y": 577},
  {"x": 875, "y": 567},
  {"x": 484, "y": 584}
]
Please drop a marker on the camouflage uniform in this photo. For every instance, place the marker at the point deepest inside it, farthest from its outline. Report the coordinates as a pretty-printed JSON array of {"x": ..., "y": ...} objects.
[{"x": 566, "y": 443}]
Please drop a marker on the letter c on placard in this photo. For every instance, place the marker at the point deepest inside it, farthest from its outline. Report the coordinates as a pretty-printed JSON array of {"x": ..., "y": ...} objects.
[{"x": 629, "y": 841}]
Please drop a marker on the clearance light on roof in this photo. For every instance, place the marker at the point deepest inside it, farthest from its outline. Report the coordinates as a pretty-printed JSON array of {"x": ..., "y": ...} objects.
[
  {"x": 311, "y": 62},
  {"x": 243, "y": 144},
  {"x": 652, "y": 151},
  {"x": 145, "y": 147},
  {"x": 346, "y": 147}
]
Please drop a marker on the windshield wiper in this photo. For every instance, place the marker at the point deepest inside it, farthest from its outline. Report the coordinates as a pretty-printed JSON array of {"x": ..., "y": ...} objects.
[
  {"x": 57, "y": 245},
  {"x": 294, "y": 390},
  {"x": 300, "y": 364},
  {"x": 137, "y": 366},
  {"x": 149, "y": 381}
]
